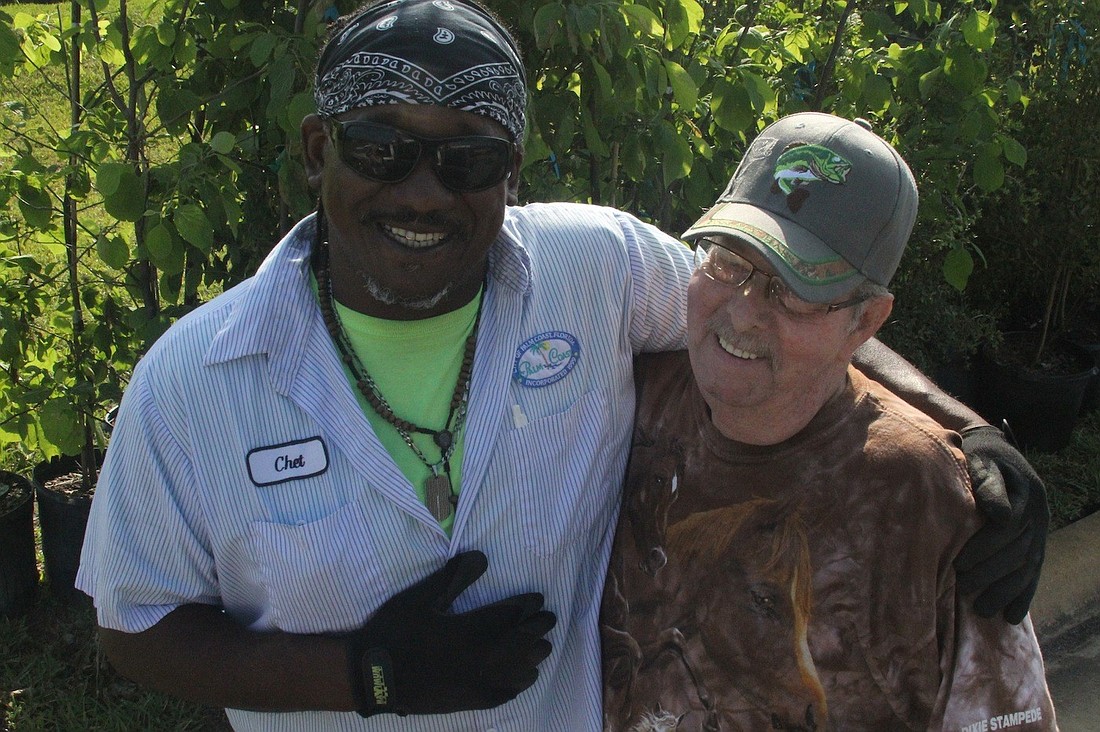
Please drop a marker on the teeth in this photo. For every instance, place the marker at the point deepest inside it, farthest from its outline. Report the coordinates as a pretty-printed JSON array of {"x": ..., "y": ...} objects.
[
  {"x": 734, "y": 351},
  {"x": 414, "y": 239}
]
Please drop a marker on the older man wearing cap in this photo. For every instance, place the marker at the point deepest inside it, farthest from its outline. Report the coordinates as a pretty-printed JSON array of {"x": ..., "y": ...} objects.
[
  {"x": 419, "y": 382},
  {"x": 784, "y": 556}
]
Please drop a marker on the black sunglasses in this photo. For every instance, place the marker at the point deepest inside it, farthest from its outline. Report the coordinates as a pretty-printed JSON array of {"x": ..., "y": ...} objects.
[{"x": 383, "y": 153}]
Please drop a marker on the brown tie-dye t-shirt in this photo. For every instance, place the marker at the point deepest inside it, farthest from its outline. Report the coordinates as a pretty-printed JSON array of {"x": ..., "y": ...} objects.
[{"x": 806, "y": 585}]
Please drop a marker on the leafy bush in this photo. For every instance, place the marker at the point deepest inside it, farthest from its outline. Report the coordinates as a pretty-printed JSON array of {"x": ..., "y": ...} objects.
[
  {"x": 154, "y": 154},
  {"x": 1041, "y": 231}
]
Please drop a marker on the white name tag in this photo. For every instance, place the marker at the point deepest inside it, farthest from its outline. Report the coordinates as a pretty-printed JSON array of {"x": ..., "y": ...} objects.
[{"x": 289, "y": 461}]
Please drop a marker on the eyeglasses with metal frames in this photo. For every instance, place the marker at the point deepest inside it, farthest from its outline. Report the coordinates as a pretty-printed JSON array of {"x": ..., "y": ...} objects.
[
  {"x": 387, "y": 154},
  {"x": 727, "y": 267}
]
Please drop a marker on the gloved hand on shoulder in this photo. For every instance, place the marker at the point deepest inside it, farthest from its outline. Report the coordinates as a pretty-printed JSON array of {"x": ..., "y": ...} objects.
[{"x": 1004, "y": 558}]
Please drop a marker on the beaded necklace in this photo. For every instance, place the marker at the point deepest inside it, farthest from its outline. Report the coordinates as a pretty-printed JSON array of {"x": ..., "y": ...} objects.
[{"x": 440, "y": 496}]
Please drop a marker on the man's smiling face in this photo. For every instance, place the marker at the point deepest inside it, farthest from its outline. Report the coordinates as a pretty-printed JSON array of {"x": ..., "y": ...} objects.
[
  {"x": 414, "y": 248},
  {"x": 757, "y": 364}
]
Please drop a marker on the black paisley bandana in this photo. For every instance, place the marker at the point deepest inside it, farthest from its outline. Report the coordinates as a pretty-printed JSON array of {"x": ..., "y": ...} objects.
[{"x": 442, "y": 52}]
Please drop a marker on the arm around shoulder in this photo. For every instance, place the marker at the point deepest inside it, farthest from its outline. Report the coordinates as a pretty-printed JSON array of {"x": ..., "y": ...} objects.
[{"x": 877, "y": 361}]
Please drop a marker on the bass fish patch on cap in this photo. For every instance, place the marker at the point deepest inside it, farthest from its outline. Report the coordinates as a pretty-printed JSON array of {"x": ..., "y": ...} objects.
[{"x": 801, "y": 165}]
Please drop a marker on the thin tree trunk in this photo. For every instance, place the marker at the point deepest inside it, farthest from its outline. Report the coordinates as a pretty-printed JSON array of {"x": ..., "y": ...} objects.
[
  {"x": 71, "y": 228},
  {"x": 827, "y": 72}
]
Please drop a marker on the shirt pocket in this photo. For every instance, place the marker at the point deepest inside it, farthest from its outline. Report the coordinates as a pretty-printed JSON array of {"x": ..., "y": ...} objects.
[
  {"x": 565, "y": 472},
  {"x": 320, "y": 576}
]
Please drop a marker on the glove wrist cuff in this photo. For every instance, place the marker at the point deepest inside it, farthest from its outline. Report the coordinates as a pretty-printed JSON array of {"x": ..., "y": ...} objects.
[
  {"x": 372, "y": 681},
  {"x": 977, "y": 428}
]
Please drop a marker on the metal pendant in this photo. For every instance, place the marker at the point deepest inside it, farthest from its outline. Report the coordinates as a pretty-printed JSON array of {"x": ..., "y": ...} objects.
[{"x": 437, "y": 491}]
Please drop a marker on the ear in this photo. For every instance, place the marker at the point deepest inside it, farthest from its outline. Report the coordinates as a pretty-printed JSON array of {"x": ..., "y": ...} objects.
[
  {"x": 513, "y": 177},
  {"x": 315, "y": 144},
  {"x": 875, "y": 312}
]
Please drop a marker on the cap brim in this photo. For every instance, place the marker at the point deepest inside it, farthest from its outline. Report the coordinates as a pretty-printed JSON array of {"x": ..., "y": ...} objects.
[{"x": 812, "y": 270}]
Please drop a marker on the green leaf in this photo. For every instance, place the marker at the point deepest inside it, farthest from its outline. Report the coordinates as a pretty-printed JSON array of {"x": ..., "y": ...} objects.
[
  {"x": 979, "y": 30},
  {"x": 166, "y": 33},
  {"x": 684, "y": 90},
  {"x": 587, "y": 20},
  {"x": 261, "y": 49},
  {"x": 170, "y": 286},
  {"x": 878, "y": 92},
  {"x": 970, "y": 126},
  {"x": 731, "y": 106},
  {"x": 113, "y": 251},
  {"x": 634, "y": 157},
  {"x": 989, "y": 171},
  {"x": 606, "y": 86},
  {"x": 957, "y": 267},
  {"x": 642, "y": 19},
  {"x": 761, "y": 94},
  {"x": 35, "y": 206},
  {"x": 174, "y": 107},
  {"x": 684, "y": 20},
  {"x": 592, "y": 136},
  {"x": 158, "y": 242},
  {"x": 301, "y": 105},
  {"x": 193, "y": 226},
  {"x": 1014, "y": 152},
  {"x": 163, "y": 252},
  {"x": 51, "y": 42},
  {"x": 9, "y": 48},
  {"x": 108, "y": 176},
  {"x": 223, "y": 142},
  {"x": 61, "y": 425},
  {"x": 695, "y": 14},
  {"x": 280, "y": 77},
  {"x": 146, "y": 46},
  {"x": 929, "y": 81},
  {"x": 548, "y": 21},
  {"x": 122, "y": 190},
  {"x": 964, "y": 70},
  {"x": 676, "y": 154}
]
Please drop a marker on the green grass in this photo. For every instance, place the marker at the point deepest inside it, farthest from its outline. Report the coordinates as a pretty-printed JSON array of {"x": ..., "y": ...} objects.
[
  {"x": 1072, "y": 475},
  {"x": 53, "y": 678}
]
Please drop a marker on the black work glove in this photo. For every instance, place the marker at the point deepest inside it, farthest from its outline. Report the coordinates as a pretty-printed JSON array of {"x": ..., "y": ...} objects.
[
  {"x": 1004, "y": 557},
  {"x": 414, "y": 656}
]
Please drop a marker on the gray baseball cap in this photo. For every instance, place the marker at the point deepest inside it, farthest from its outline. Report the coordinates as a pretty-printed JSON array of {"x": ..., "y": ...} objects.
[{"x": 829, "y": 203}]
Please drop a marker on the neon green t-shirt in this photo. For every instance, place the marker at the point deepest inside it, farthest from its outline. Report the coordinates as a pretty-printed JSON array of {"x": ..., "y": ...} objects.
[{"x": 415, "y": 364}]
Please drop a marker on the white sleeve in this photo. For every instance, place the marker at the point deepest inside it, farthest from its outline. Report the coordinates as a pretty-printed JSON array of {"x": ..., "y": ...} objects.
[
  {"x": 660, "y": 268},
  {"x": 145, "y": 549}
]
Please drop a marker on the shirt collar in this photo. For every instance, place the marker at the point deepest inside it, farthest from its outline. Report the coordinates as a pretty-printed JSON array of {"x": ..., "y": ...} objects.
[
  {"x": 277, "y": 311},
  {"x": 274, "y": 314}
]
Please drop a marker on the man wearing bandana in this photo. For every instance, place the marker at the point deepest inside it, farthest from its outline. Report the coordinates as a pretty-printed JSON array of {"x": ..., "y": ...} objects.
[{"x": 374, "y": 486}]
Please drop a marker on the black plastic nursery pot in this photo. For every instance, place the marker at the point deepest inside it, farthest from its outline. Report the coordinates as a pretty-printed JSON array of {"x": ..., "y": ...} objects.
[
  {"x": 1091, "y": 400},
  {"x": 18, "y": 564},
  {"x": 62, "y": 519},
  {"x": 1041, "y": 408}
]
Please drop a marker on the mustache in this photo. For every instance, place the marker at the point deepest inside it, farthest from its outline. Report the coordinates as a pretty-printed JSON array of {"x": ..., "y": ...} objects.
[{"x": 407, "y": 218}]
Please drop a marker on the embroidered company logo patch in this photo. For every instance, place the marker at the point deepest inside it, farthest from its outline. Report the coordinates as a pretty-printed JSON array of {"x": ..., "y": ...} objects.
[
  {"x": 546, "y": 358},
  {"x": 288, "y": 461}
]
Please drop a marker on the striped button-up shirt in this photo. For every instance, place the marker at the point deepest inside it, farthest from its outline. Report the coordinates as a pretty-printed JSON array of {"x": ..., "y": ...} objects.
[{"x": 242, "y": 472}]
